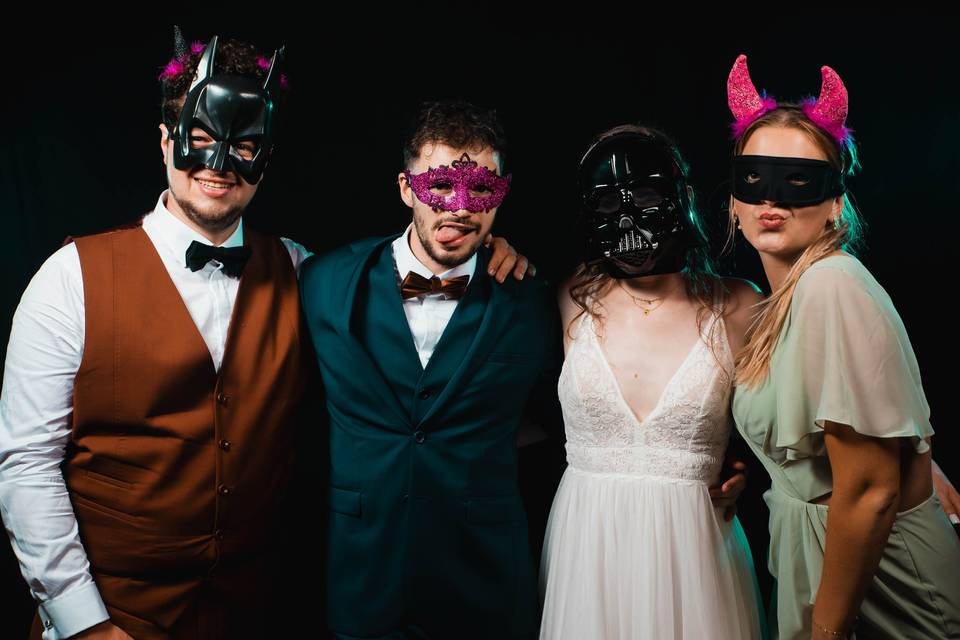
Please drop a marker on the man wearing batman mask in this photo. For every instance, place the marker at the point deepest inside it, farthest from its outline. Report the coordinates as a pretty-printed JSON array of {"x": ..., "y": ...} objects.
[{"x": 151, "y": 393}]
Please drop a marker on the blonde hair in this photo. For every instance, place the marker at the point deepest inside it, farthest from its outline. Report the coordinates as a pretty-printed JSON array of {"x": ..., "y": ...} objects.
[{"x": 753, "y": 360}]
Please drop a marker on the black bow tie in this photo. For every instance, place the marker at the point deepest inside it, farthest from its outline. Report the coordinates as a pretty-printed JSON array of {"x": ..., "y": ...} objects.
[{"x": 232, "y": 258}]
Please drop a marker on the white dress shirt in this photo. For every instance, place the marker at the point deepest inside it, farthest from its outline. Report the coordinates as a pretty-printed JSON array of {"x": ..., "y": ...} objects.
[
  {"x": 428, "y": 314},
  {"x": 43, "y": 356}
]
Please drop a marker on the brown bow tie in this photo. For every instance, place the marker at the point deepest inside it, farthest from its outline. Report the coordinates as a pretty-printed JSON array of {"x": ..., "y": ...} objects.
[{"x": 416, "y": 285}]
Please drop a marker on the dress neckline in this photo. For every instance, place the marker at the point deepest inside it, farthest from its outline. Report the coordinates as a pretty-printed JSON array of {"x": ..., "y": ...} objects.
[{"x": 666, "y": 389}]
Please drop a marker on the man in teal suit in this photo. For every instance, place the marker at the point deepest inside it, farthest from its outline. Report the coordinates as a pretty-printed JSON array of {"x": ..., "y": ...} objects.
[{"x": 428, "y": 367}]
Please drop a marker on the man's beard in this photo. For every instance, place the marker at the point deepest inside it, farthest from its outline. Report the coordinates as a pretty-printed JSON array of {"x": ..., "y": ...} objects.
[
  {"x": 206, "y": 221},
  {"x": 426, "y": 241}
]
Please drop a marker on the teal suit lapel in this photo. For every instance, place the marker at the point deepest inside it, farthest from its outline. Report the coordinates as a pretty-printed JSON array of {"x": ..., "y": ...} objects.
[
  {"x": 363, "y": 364},
  {"x": 454, "y": 344},
  {"x": 496, "y": 317},
  {"x": 381, "y": 325}
]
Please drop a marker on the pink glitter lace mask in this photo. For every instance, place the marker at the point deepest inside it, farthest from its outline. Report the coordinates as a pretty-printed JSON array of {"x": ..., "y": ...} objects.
[
  {"x": 464, "y": 177},
  {"x": 828, "y": 110}
]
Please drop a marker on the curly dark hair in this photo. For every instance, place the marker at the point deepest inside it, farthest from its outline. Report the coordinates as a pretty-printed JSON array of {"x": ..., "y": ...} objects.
[
  {"x": 234, "y": 57},
  {"x": 456, "y": 123}
]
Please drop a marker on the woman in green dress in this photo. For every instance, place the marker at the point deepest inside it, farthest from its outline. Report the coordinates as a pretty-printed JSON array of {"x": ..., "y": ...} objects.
[{"x": 828, "y": 392}]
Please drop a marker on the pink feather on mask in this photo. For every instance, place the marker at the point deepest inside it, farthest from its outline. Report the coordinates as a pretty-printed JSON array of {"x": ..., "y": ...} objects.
[{"x": 173, "y": 69}]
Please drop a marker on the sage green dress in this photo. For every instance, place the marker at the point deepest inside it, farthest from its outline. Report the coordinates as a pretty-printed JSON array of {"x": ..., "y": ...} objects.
[{"x": 843, "y": 355}]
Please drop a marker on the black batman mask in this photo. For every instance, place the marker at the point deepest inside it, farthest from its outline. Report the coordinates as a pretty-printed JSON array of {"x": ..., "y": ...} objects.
[{"x": 239, "y": 113}]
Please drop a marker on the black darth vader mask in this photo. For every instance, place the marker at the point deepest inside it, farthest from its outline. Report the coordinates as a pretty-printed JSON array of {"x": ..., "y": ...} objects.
[
  {"x": 239, "y": 113},
  {"x": 635, "y": 208}
]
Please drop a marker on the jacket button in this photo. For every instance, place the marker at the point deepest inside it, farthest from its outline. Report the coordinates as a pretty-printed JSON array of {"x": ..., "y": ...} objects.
[
  {"x": 223, "y": 398},
  {"x": 225, "y": 445},
  {"x": 218, "y": 534},
  {"x": 425, "y": 394},
  {"x": 406, "y": 497},
  {"x": 419, "y": 436},
  {"x": 223, "y": 490}
]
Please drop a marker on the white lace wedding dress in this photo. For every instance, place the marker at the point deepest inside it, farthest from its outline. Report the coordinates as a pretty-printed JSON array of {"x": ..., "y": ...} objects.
[{"x": 634, "y": 548}]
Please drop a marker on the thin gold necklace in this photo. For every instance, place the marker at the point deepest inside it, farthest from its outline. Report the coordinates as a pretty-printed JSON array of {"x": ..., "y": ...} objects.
[{"x": 646, "y": 310}]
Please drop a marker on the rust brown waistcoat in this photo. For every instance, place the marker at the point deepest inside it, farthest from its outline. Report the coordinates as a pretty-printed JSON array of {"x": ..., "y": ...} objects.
[{"x": 175, "y": 470}]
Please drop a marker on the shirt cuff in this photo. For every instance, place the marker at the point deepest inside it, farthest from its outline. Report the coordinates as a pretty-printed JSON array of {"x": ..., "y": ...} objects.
[{"x": 72, "y": 612}]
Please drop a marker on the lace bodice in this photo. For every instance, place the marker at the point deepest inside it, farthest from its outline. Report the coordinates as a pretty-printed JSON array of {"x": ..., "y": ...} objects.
[{"x": 683, "y": 437}]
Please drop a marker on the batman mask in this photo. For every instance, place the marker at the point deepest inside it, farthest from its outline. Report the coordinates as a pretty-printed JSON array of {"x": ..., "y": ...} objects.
[
  {"x": 635, "y": 209},
  {"x": 239, "y": 113}
]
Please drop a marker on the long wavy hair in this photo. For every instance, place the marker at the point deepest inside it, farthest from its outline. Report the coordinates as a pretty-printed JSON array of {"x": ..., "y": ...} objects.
[
  {"x": 753, "y": 360},
  {"x": 590, "y": 283}
]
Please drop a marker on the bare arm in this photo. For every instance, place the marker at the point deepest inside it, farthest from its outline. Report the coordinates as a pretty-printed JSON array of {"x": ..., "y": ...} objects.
[
  {"x": 866, "y": 494},
  {"x": 739, "y": 311}
]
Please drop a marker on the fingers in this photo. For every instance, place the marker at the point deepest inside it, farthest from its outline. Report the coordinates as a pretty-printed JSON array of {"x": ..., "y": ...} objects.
[
  {"x": 509, "y": 261},
  {"x": 502, "y": 260},
  {"x": 521, "y": 269},
  {"x": 732, "y": 486},
  {"x": 951, "y": 503},
  {"x": 949, "y": 497},
  {"x": 487, "y": 239},
  {"x": 735, "y": 484}
]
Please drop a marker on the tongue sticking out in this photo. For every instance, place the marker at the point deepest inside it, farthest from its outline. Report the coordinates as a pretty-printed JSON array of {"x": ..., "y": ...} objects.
[{"x": 449, "y": 234}]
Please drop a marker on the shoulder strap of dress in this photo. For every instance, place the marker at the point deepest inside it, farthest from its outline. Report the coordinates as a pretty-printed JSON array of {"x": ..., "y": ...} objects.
[
  {"x": 718, "y": 295},
  {"x": 718, "y": 303}
]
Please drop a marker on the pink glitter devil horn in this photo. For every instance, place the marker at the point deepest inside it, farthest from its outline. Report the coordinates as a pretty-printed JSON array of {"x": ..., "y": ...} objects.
[
  {"x": 745, "y": 102},
  {"x": 830, "y": 109}
]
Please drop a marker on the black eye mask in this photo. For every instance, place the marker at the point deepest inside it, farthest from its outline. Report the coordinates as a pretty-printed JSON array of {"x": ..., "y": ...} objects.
[{"x": 795, "y": 182}]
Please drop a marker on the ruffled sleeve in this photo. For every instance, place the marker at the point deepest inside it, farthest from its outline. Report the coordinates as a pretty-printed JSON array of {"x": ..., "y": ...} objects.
[{"x": 845, "y": 357}]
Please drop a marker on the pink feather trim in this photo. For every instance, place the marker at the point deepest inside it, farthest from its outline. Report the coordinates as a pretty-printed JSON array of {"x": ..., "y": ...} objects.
[{"x": 739, "y": 126}]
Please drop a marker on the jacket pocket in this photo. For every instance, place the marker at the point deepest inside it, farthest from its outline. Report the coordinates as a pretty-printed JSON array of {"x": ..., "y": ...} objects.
[
  {"x": 345, "y": 501},
  {"x": 102, "y": 477},
  {"x": 493, "y": 510},
  {"x": 81, "y": 503}
]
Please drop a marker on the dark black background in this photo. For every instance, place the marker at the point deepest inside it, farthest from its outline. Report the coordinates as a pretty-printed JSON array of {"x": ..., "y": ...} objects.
[{"x": 79, "y": 150}]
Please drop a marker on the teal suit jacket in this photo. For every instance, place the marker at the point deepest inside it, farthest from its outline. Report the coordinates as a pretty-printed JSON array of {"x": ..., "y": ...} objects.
[{"x": 426, "y": 528}]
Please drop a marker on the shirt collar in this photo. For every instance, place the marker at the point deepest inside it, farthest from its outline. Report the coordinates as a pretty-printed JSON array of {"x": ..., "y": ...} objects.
[
  {"x": 175, "y": 235},
  {"x": 407, "y": 262}
]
